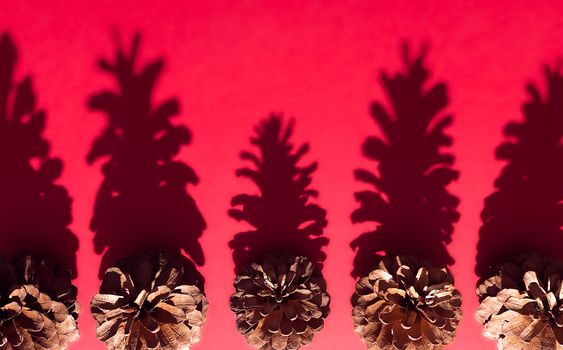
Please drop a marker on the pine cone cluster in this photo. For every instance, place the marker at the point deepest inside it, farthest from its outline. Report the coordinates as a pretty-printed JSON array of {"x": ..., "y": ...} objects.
[
  {"x": 522, "y": 304},
  {"x": 38, "y": 306},
  {"x": 144, "y": 303},
  {"x": 406, "y": 304},
  {"x": 280, "y": 302}
]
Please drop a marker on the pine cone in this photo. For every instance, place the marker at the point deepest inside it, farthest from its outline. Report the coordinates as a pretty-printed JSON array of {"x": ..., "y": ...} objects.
[
  {"x": 144, "y": 303},
  {"x": 39, "y": 308},
  {"x": 522, "y": 306},
  {"x": 280, "y": 303},
  {"x": 405, "y": 304}
]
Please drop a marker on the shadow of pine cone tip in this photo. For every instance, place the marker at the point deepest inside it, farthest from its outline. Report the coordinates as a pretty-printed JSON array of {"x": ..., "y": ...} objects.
[
  {"x": 280, "y": 302},
  {"x": 406, "y": 304},
  {"x": 144, "y": 303},
  {"x": 38, "y": 308},
  {"x": 521, "y": 303}
]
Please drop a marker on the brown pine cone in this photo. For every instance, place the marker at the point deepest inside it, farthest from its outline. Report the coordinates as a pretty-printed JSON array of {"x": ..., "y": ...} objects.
[
  {"x": 522, "y": 304},
  {"x": 39, "y": 308},
  {"x": 406, "y": 304},
  {"x": 144, "y": 303},
  {"x": 280, "y": 303}
]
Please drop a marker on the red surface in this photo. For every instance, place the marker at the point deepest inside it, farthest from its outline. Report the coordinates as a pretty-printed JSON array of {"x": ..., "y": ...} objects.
[{"x": 231, "y": 63}]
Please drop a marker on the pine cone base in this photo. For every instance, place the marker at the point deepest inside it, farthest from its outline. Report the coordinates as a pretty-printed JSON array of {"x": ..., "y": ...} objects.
[
  {"x": 406, "y": 304},
  {"x": 280, "y": 303},
  {"x": 522, "y": 304},
  {"x": 38, "y": 309},
  {"x": 145, "y": 304}
]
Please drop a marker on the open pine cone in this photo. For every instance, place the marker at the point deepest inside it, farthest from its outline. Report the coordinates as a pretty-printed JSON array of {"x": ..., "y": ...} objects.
[
  {"x": 405, "y": 304},
  {"x": 280, "y": 303},
  {"x": 144, "y": 304},
  {"x": 38, "y": 306},
  {"x": 522, "y": 304}
]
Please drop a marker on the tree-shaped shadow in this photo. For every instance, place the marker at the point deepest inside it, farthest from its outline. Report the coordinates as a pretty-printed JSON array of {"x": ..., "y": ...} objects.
[
  {"x": 414, "y": 211},
  {"x": 35, "y": 211},
  {"x": 282, "y": 214},
  {"x": 142, "y": 204},
  {"x": 525, "y": 212}
]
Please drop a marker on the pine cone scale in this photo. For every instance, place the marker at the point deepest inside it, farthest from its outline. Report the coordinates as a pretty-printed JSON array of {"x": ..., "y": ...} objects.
[
  {"x": 108, "y": 301},
  {"x": 9, "y": 330},
  {"x": 183, "y": 301},
  {"x": 280, "y": 341},
  {"x": 106, "y": 330},
  {"x": 32, "y": 320},
  {"x": 11, "y": 310},
  {"x": 558, "y": 333},
  {"x": 196, "y": 318},
  {"x": 533, "y": 329}
]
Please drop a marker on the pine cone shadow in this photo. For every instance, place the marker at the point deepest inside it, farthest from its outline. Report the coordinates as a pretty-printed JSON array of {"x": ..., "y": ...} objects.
[
  {"x": 282, "y": 215},
  {"x": 410, "y": 203},
  {"x": 142, "y": 203},
  {"x": 524, "y": 213},
  {"x": 35, "y": 210}
]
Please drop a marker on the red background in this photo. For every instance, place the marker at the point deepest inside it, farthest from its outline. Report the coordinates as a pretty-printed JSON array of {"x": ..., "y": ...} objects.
[{"x": 231, "y": 63}]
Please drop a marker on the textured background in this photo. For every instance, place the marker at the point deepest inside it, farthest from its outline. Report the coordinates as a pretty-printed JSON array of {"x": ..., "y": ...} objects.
[{"x": 232, "y": 62}]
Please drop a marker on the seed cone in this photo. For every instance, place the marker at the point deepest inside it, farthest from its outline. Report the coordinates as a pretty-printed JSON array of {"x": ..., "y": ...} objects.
[
  {"x": 280, "y": 302},
  {"x": 521, "y": 304},
  {"x": 406, "y": 304},
  {"x": 38, "y": 309},
  {"x": 144, "y": 304}
]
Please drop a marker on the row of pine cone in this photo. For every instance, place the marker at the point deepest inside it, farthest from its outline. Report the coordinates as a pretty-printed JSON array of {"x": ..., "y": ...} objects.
[
  {"x": 146, "y": 302},
  {"x": 281, "y": 302}
]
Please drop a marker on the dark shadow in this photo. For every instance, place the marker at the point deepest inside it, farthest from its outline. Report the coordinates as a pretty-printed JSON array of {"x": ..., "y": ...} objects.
[
  {"x": 142, "y": 203},
  {"x": 35, "y": 211},
  {"x": 525, "y": 212},
  {"x": 411, "y": 205},
  {"x": 282, "y": 215}
]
